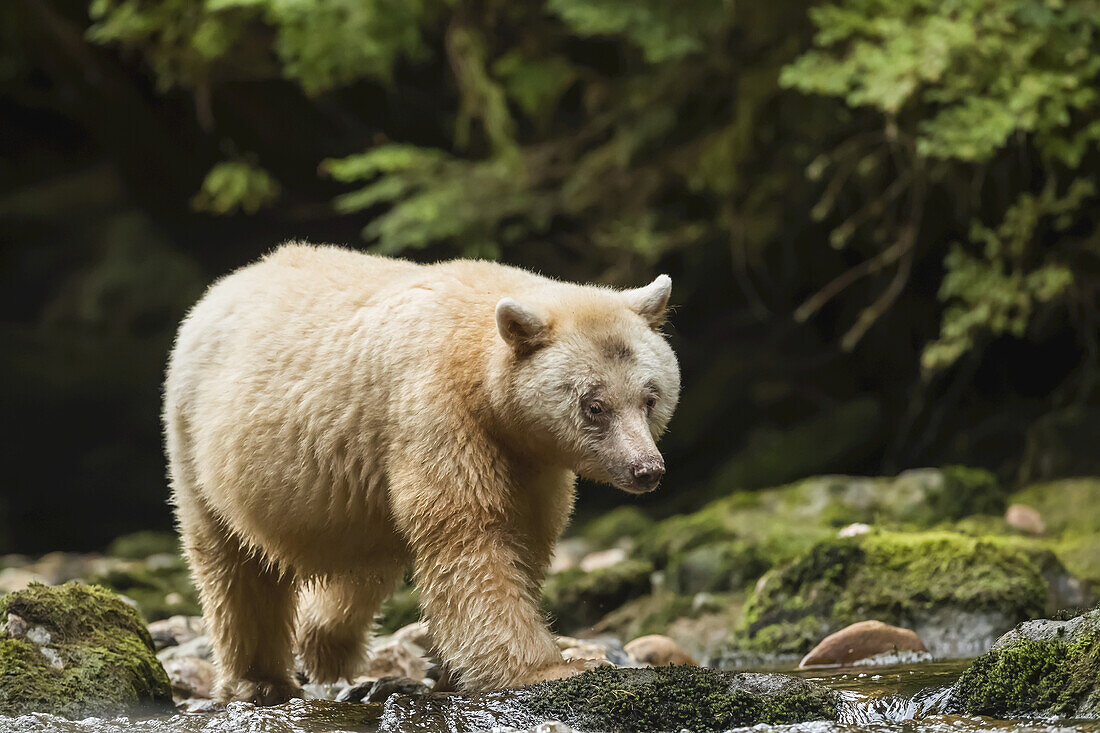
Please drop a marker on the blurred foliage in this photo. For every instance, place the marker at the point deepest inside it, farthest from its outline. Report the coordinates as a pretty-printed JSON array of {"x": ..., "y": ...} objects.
[
  {"x": 884, "y": 204},
  {"x": 236, "y": 184}
]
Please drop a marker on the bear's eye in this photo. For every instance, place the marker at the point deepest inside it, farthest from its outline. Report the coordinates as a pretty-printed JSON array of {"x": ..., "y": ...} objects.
[
  {"x": 595, "y": 408},
  {"x": 650, "y": 402}
]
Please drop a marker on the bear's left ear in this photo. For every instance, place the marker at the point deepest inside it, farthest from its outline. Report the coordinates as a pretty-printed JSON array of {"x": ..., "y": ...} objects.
[
  {"x": 522, "y": 327},
  {"x": 651, "y": 302}
]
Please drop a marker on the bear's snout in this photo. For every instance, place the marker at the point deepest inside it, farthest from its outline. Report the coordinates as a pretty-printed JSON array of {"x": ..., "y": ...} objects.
[{"x": 647, "y": 472}]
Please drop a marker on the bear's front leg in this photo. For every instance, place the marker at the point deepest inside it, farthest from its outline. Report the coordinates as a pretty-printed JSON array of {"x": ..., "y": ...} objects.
[{"x": 482, "y": 610}]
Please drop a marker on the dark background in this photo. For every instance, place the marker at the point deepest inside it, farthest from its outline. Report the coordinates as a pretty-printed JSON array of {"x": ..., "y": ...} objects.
[{"x": 654, "y": 143}]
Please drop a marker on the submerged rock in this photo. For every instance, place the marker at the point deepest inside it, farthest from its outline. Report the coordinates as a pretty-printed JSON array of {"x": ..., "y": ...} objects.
[
  {"x": 1044, "y": 667},
  {"x": 76, "y": 650},
  {"x": 958, "y": 593},
  {"x": 610, "y": 699},
  {"x": 862, "y": 640}
]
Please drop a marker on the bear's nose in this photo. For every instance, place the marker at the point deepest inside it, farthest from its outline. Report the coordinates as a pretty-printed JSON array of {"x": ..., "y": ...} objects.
[{"x": 648, "y": 472}]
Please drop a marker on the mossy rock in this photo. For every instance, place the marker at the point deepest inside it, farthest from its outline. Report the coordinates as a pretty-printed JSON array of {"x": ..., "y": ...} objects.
[
  {"x": 576, "y": 599},
  {"x": 907, "y": 579},
  {"x": 1044, "y": 667},
  {"x": 91, "y": 656},
  {"x": 613, "y": 699},
  {"x": 621, "y": 523}
]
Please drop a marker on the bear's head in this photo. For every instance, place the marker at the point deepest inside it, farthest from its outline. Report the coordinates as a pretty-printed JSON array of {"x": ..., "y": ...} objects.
[{"x": 587, "y": 377}]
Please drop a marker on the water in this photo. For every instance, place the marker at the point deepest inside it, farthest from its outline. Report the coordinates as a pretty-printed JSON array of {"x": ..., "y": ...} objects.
[{"x": 896, "y": 699}]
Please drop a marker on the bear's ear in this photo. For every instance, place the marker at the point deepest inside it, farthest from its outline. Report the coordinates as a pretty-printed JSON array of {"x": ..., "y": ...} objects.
[
  {"x": 651, "y": 302},
  {"x": 522, "y": 327}
]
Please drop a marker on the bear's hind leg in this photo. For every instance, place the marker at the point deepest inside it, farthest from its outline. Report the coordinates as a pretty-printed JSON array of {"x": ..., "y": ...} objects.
[
  {"x": 249, "y": 609},
  {"x": 335, "y": 615}
]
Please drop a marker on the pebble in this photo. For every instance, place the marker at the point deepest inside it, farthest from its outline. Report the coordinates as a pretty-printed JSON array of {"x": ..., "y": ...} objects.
[
  {"x": 16, "y": 626},
  {"x": 658, "y": 651},
  {"x": 1026, "y": 519},
  {"x": 854, "y": 530},
  {"x": 860, "y": 641}
]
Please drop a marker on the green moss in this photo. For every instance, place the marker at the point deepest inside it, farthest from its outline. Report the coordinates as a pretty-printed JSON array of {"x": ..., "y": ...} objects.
[
  {"x": 577, "y": 599},
  {"x": 109, "y": 662},
  {"x": 891, "y": 577},
  {"x": 140, "y": 545},
  {"x": 677, "y": 698},
  {"x": 619, "y": 523},
  {"x": 717, "y": 567},
  {"x": 1047, "y": 676}
]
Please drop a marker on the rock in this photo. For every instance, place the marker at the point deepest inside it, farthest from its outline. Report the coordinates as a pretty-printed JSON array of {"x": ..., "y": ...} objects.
[
  {"x": 614, "y": 528},
  {"x": 603, "y": 559},
  {"x": 958, "y": 593},
  {"x": 380, "y": 690},
  {"x": 658, "y": 651},
  {"x": 200, "y": 647},
  {"x": 860, "y": 641},
  {"x": 191, "y": 677},
  {"x": 197, "y": 705},
  {"x": 568, "y": 554},
  {"x": 176, "y": 630},
  {"x": 417, "y": 634},
  {"x": 854, "y": 530},
  {"x": 577, "y": 599},
  {"x": 578, "y": 649},
  {"x": 717, "y": 567},
  {"x": 1024, "y": 518},
  {"x": 13, "y": 579},
  {"x": 395, "y": 658},
  {"x": 1041, "y": 668},
  {"x": 612, "y": 699},
  {"x": 387, "y": 686},
  {"x": 99, "y": 660}
]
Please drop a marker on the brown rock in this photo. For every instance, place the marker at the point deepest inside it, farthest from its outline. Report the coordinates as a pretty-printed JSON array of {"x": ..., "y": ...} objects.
[
  {"x": 191, "y": 677},
  {"x": 859, "y": 641},
  {"x": 1025, "y": 518},
  {"x": 658, "y": 651}
]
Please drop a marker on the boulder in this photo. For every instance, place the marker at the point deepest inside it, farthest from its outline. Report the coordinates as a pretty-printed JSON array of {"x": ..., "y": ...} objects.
[
  {"x": 657, "y": 650},
  {"x": 861, "y": 640},
  {"x": 1041, "y": 668},
  {"x": 612, "y": 699},
  {"x": 77, "y": 651},
  {"x": 958, "y": 593}
]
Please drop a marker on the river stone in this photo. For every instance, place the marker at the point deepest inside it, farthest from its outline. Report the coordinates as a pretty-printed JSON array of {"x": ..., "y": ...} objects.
[
  {"x": 861, "y": 640},
  {"x": 93, "y": 656},
  {"x": 658, "y": 651},
  {"x": 1040, "y": 668},
  {"x": 1025, "y": 518},
  {"x": 611, "y": 699},
  {"x": 176, "y": 630},
  {"x": 191, "y": 677}
]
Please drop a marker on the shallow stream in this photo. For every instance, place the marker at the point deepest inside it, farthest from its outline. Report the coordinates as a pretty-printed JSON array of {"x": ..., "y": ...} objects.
[{"x": 896, "y": 699}]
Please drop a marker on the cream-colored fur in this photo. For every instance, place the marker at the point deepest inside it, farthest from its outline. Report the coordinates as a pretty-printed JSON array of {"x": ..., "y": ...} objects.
[{"x": 333, "y": 418}]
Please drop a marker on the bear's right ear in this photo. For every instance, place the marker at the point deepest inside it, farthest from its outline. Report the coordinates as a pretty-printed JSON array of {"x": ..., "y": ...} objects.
[{"x": 521, "y": 326}]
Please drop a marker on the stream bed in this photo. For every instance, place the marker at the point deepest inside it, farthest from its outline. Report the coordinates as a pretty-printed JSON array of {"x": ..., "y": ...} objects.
[{"x": 894, "y": 699}]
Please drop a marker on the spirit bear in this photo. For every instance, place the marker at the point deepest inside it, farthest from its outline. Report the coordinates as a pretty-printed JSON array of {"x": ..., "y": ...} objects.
[{"x": 333, "y": 418}]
